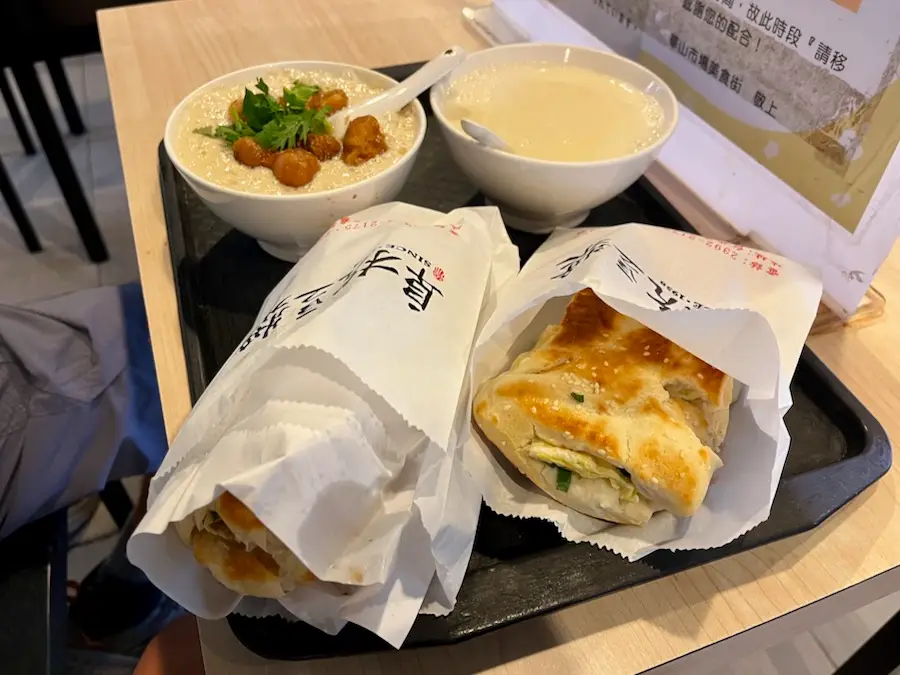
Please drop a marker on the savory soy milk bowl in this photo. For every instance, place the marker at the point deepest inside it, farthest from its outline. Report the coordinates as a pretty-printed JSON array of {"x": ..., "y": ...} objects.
[
  {"x": 538, "y": 195},
  {"x": 286, "y": 221}
]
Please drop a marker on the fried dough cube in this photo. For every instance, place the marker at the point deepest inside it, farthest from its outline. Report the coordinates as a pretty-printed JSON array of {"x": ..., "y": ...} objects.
[
  {"x": 363, "y": 141},
  {"x": 323, "y": 146},
  {"x": 333, "y": 99},
  {"x": 295, "y": 167},
  {"x": 250, "y": 153}
]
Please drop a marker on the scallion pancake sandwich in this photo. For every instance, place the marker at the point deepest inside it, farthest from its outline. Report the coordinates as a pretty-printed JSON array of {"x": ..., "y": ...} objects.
[
  {"x": 608, "y": 417},
  {"x": 240, "y": 552}
]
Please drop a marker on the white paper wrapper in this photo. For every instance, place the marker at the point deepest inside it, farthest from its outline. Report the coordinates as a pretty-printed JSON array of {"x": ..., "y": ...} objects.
[
  {"x": 745, "y": 312},
  {"x": 336, "y": 422}
]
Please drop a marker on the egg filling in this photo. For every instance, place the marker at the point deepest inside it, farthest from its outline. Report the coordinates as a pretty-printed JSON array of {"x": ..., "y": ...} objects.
[{"x": 585, "y": 466}]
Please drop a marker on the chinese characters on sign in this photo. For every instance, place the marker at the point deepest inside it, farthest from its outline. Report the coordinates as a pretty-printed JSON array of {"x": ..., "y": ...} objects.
[
  {"x": 666, "y": 297},
  {"x": 416, "y": 285},
  {"x": 710, "y": 66},
  {"x": 771, "y": 24},
  {"x": 610, "y": 9},
  {"x": 725, "y": 25},
  {"x": 766, "y": 21}
]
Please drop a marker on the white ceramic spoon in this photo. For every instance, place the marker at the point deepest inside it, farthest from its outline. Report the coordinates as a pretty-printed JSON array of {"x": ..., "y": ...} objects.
[
  {"x": 395, "y": 98},
  {"x": 484, "y": 135}
]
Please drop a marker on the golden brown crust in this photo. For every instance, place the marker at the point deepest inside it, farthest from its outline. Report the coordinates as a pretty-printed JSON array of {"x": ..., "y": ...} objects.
[
  {"x": 602, "y": 384},
  {"x": 251, "y": 572},
  {"x": 228, "y": 539},
  {"x": 237, "y": 517},
  {"x": 590, "y": 322}
]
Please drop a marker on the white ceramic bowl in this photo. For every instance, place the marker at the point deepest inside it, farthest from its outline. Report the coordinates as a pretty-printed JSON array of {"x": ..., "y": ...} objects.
[
  {"x": 538, "y": 195},
  {"x": 286, "y": 226}
]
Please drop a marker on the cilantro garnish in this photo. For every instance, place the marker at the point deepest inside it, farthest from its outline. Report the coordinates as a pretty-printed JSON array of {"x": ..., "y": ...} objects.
[
  {"x": 578, "y": 397},
  {"x": 273, "y": 124},
  {"x": 296, "y": 97}
]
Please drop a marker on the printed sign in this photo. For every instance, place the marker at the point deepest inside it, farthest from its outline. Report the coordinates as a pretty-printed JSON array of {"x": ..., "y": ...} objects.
[{"x": 806, "y": 88}]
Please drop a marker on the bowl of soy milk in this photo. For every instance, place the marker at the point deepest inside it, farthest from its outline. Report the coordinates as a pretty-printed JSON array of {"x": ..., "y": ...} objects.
[{"x": 581, "y": 125}]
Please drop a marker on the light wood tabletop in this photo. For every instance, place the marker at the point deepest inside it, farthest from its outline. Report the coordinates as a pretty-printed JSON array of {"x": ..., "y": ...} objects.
[{"x": 157, "y": 53}]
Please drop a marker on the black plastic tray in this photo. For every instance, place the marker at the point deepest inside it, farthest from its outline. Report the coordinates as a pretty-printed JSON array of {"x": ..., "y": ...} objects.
[{"x": 838, "y": 449}]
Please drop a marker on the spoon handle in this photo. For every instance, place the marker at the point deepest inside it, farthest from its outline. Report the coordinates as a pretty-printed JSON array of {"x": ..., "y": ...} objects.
[{"x": 396, "y": 97}]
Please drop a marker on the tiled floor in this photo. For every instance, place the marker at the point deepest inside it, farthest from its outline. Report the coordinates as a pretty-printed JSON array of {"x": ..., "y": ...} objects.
[{"x": 63, "y": 268}]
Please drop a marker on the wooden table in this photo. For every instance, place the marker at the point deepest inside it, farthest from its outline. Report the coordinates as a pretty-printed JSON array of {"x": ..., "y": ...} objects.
[{"x": 155, "y": 54}]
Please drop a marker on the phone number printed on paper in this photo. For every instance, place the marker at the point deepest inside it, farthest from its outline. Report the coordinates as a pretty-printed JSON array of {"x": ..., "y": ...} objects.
[{"x": 754, "y": 260}]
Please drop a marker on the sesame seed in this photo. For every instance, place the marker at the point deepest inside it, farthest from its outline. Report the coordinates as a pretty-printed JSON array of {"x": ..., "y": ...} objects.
[
  {"x": 567, "y": 434},
  {"x": 646, "y": 353},
  {"x": 700, "y": 375},
  {"x": 615, "y": 371},
  {"x": 602, "y": 389},
  {"x": 581, "y": 366},
  {"x": 666, "y": 360},
  {"x": 646, "y": 346},
  {"x": 606, "y": 363},
  {"x": 507, "y": 407},
  {"x": 533, "y": 410},
  {"x": 654, "y": 480}
]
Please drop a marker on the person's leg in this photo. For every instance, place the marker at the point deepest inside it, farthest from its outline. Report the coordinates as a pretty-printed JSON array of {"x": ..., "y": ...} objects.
[
  {"x": 175, "y": 651},
  {"x": 116, "y": 606},
  {"x": 118, "y": 561}
]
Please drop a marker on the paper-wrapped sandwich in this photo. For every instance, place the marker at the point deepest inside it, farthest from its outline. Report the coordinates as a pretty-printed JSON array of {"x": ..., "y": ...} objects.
[
  {"x": 608, "y": 417},
  {"x": 240, "y": 552}
]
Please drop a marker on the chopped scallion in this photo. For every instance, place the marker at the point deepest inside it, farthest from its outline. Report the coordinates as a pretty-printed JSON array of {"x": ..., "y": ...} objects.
[{"x": 563, "y": 479}]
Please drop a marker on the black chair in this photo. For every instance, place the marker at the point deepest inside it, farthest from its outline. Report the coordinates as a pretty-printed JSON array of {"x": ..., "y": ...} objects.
[
  {"x": 63, "y": 93},
  {"x": 49, "y": 31},
  {"x": 19, "y": 216},
  {"x": 76, "y": 127},
  {"x": 41, "y": 37},
  {"x": 33, "y": 589},
  {"x": 16, "y": 115},
  {"x": 33, "y": 623}
]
